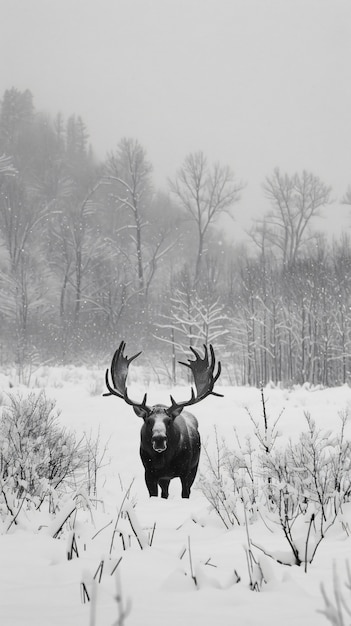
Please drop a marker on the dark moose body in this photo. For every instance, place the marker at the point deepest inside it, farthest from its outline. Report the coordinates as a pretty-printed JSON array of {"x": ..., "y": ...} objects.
[
  {"x": 169, "y": 440},
  {"x": 179, "y": 459}
]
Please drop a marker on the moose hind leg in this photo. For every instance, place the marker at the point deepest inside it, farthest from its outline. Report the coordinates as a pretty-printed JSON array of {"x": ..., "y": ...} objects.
[{"x": 164, "y": 484}]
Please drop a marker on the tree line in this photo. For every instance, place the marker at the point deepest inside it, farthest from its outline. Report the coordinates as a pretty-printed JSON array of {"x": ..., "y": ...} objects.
[{"x": 92, "y": 252}]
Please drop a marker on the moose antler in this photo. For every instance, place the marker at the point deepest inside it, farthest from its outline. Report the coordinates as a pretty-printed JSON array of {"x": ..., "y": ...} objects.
[
  {"x": 204, "y": 378},
  {"x": 119, "y": 372},
  {"x": 202, "y": 370}
]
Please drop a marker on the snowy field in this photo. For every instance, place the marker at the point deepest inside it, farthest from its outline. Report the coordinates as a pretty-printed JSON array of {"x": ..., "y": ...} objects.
[{"x": 39, "y": 586}]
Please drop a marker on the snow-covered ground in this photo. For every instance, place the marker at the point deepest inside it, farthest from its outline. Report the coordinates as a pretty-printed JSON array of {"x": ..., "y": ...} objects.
[{"x": 39, "y": 586}]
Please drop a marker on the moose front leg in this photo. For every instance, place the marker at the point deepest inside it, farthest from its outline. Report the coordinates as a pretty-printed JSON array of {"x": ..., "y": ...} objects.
[
  {"x": 187, "y": 481},
  {"x": 151, "y": 484},
  {"x": 164, "y": 484}
]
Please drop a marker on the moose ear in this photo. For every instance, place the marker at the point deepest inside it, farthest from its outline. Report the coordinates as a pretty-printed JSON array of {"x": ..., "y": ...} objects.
[
  {"x": 141, "y": 412},
  {"x": 173, "y": 413}
]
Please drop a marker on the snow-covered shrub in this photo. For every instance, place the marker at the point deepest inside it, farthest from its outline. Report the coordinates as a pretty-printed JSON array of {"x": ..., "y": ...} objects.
[
  {"x": 229, "y": 479},
  {"x": 34, "y": 447},
  {"x": 235, "y": 474},
  {"x": 38, "y": 458},
  {"x": 214, "y": 484},
  {"x": 300, "y": 487},
  {"x": 311, "y": 480}
]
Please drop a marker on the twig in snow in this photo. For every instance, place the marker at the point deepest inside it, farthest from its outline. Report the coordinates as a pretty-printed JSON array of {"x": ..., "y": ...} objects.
[
  {"x": 142, "y": 541},
  {"x": 14, "y": 519},
  {"x": 84, "y": 593},
  {"x": 182, "y": 552},
  {"x": 126, "y": 495},
  {"x": 99, "y": 571},
  {"x": 101, "y": 529},
  {"x": 307, "y": 540},
  {"x": 115, "y": 567},
  {"x": 152, "y": 534},
  {"x": 271, "y": 556},
  {"x": 72, "y": 547},
  {"x": 191, "y": 563}
]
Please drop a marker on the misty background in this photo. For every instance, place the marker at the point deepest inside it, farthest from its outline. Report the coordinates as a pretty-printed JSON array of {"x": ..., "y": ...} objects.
[{"x": 177, "y": 173}]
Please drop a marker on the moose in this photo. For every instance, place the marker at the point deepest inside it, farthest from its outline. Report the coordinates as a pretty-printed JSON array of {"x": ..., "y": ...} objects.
[{"x": 169, "y": 439}]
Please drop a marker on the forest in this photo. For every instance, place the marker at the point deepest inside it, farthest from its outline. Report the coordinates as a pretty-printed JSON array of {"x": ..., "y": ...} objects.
[{"x": 92, "y": 252}]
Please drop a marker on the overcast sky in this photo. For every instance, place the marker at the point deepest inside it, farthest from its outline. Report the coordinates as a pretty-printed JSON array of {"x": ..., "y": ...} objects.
[{"x": 255, "y": 84}]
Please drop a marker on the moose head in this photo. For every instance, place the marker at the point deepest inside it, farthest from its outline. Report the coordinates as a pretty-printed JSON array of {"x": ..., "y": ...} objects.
[{"x": 169, "y": 439}]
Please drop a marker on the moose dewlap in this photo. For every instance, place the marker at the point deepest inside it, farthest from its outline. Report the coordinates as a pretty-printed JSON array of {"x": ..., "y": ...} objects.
[{"x": 169, "y": 439}]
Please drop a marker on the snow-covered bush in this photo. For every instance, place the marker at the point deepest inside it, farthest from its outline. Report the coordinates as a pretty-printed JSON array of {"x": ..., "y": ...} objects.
[
  {"x": 299, "y": 487},
  {"x": 235, "y": 474},
  {"x": 38, "y": 458}
]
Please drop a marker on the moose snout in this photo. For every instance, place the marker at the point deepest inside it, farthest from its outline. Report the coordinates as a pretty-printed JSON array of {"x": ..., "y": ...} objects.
[{"x": 159, "y": 443}]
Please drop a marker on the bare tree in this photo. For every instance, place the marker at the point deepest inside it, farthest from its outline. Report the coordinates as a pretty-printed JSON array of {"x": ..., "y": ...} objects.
[
  {"x": 295, "y": 201},
  {"x": 192, "y": 321},
  {"x": 23, "y": 306},
  {"x": 76, "y": 249},
  {"x": 22, "y": 271},
  {"x": 205, "y": 193},
  {"x": 130, "y": 170}
]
